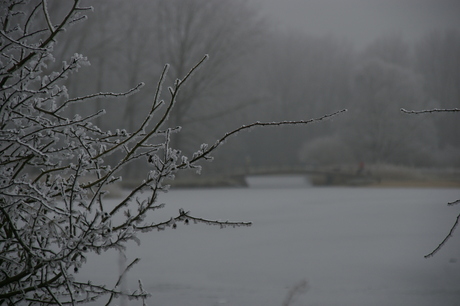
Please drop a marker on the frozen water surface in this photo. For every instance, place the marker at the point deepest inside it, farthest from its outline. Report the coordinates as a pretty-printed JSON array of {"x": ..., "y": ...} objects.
[{"x": 354, "y": 246}]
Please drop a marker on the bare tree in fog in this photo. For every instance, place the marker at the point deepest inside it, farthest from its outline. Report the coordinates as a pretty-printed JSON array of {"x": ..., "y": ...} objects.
[
  {"x": 298, "y": 74},
  {"x": 131, "y": 43},
  {"x": 378, "y": 132},
  {"x": 390, "y": 48},
  {"x": 184, "y": 30},
  {"x": 100, "y": 40},
  {"x": 306, "y": 74},
  {"x": 438, "y": 60}
]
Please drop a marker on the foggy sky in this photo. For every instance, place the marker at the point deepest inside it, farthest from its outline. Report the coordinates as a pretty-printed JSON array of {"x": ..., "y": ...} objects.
[{"x": 362, "y": 21}]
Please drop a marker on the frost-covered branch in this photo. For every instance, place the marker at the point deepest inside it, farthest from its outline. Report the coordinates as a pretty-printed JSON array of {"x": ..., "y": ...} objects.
[
  {"x": 204, "y": 152},
  {"x": 434, "y": 110},
  {"x": 142, "y": 294},
  {"x": 186, "y": 218},
  {"x": 54, "y": 170},
  {"x": 41, "y": 43},
  {"x": 102, "y": 95}
]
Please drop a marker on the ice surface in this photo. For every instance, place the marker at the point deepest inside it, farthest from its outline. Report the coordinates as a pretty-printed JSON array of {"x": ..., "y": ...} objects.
[{"x": 354, "y": 246}]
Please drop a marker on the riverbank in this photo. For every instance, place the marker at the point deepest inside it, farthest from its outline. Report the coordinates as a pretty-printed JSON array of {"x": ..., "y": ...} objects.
[
  {"x": 373, "y": 176},
  {"x": 405, "y": 177}
]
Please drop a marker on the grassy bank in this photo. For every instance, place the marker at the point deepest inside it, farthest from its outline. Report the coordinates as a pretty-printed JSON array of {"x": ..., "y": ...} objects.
[
  {"x": 390, "y": 176},
  {"x": 374, "y": 175}
]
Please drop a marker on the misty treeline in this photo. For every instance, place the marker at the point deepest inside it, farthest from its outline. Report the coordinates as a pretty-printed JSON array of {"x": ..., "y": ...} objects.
[{"x": 256, "y": 72}]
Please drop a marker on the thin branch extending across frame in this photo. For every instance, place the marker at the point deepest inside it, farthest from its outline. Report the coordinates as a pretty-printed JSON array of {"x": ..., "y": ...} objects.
[
  {"x": 39, "y": 49},
  {"x": 443, "y": 242},
  {"x": 102, "y": 95},
  {"x": 434, "y": 110},
  {"x": 454, "y": 202},
  {"x": 205, "y": 153}
]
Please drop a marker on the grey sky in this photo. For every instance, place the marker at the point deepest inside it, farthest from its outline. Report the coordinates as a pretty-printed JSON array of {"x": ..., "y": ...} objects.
[{"x": 362, "y": 21}]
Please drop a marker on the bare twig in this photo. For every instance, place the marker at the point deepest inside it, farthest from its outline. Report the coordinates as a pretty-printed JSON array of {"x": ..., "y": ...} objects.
[
  {"x": 205, "y": 153},
  {"x": 434, "y": 110},
  {"x": 120, "y": 279},
  {"x": 443, "y": 242},
  {"x": 454, "y": 202}
]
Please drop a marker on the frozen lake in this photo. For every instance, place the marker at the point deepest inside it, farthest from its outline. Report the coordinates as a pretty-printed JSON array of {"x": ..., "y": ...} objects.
[{"x": 354, "y": 246}]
